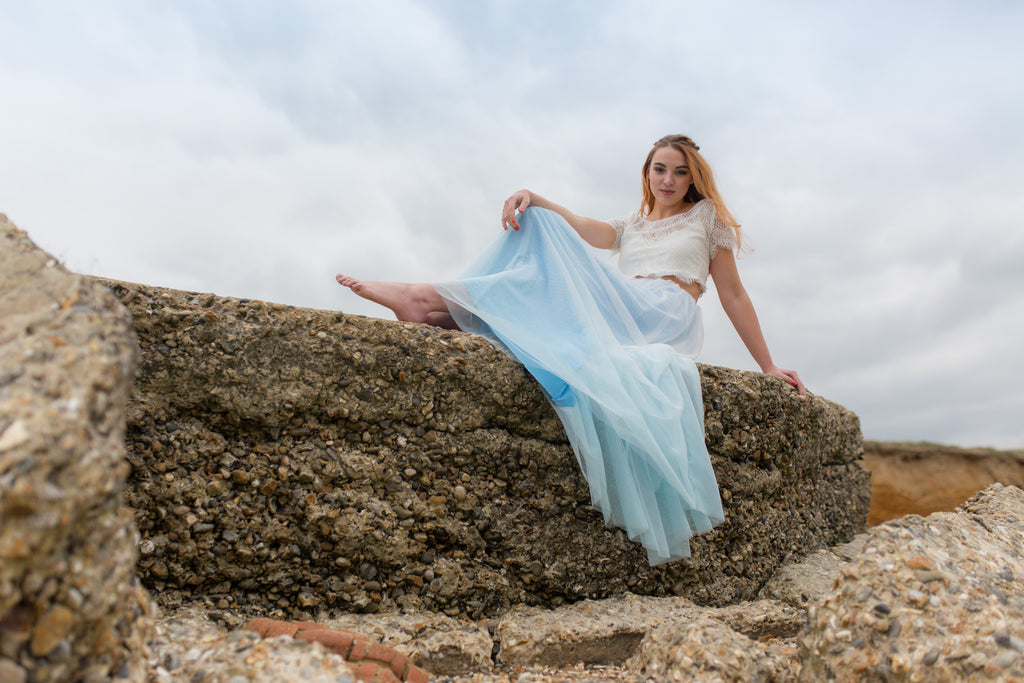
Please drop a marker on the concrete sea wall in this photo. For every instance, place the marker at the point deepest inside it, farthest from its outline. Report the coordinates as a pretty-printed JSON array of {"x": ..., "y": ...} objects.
[
  {"x": 71, "y": 607},
  {"x": 292, "y": 460}
]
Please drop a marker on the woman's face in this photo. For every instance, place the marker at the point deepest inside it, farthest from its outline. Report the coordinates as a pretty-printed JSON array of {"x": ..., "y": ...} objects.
[{"x": 669, "y": 178}]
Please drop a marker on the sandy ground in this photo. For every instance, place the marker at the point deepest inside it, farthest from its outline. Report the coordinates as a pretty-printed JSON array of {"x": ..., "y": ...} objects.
[{"x": 921, "y": 478}]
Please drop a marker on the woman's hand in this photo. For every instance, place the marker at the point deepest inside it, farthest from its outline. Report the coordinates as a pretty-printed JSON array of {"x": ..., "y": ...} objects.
[
  {"x": 790, "y": 377},
  {"x": 517, "y": 202}
]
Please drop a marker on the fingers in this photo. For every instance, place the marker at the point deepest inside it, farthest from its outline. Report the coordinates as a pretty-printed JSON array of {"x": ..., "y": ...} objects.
[
  {"x": 508, "y": 217},
  {"x": 508, "y": 213},
  {"x": 795, "y": 381},
  {"x": 514, "y": 205},
  {"x": 800, "y": 388},
  {"x": 792, "y": 378},
  {"x": 524, "y": 200}
]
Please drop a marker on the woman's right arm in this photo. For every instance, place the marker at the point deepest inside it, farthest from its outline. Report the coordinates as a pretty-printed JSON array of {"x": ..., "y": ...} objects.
[{"x": 596, "y": 233}]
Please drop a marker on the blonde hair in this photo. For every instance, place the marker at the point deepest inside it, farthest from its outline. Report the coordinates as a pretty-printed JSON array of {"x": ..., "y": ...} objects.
[{"x": 702, "y": 187}]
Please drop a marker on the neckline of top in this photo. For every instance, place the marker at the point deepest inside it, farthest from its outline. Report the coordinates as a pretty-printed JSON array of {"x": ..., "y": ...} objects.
[{"x": 675, "y": 215}]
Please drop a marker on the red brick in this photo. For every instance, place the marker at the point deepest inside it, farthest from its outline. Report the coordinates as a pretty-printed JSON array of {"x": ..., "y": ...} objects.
[
  {"x": 414, "y": 674},
  {"x": 259, "y": 625},
  {"x": 369, "y": 661},
  {"x": 340, "y": 643},
  {"x": 381, "y": 653},
  {"x": 399, "y": 663},
  {"x": 355, "y": 636},
  {"x": 365, "y": 671},
  {"x": 358, "y": 651},
  {"x": 310, "y": 626},
  {"x": 271, "y": 628},
  {"x": 372, "y": 673}
]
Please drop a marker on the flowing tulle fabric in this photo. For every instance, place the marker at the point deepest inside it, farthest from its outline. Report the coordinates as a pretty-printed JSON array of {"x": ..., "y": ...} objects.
[{"x": 614, "y": 355}]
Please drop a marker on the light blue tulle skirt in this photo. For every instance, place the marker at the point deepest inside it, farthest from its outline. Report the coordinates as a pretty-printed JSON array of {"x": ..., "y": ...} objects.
[{"x": 614, "y": 355}]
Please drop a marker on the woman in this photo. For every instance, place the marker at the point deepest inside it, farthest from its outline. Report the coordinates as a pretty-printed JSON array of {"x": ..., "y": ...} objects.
[{"x": 613, "y": 349}]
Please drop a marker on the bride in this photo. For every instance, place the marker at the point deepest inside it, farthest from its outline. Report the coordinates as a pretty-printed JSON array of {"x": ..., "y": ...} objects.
[{"x": 613, "y": 348}]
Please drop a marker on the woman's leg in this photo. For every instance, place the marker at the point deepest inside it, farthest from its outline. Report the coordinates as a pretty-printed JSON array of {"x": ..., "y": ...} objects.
[
  {"x": 411, "y": 302},
  {"x": 442, "y": 320}
]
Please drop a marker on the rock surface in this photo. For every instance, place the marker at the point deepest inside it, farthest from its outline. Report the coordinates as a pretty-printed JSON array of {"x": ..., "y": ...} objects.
[
  {"x": 70, "y": 604},
  {"x": 922, "y": 599},
  {"x": 705, "y": 649},
  {"x": 610, "y": 631},
  {"x": 938, "y": 599},
  {"x": 595, "y": 637},
  {"x": 189, "y": 647},
  {"x": 291, "y": 461},
  {"x": 922, "y": 478},
  {"x": 435, "y": 642},
  {"x": 807, "y": 581}
]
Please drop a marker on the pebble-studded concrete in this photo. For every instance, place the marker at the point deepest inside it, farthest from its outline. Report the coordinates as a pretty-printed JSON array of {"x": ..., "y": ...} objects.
[
  {"x": 71, "y": 606},
  {"x": 289, "y": 461},
  {"x": 937, "y": 598}
]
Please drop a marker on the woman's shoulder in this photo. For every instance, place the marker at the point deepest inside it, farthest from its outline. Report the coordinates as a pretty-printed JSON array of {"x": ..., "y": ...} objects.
[
  {"x": 704, "y": 208},
  {"x": 624, "y": 222},
  {"x": 705, "y": 213},
  {"x": 628, "y": 218}
]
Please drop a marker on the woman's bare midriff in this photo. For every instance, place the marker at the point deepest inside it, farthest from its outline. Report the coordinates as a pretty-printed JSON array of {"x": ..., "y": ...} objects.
[{"x": 691, "y": 288}]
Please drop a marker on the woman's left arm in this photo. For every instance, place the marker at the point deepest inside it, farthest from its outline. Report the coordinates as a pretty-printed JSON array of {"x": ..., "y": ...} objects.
[{"x": 740, "y": 310}]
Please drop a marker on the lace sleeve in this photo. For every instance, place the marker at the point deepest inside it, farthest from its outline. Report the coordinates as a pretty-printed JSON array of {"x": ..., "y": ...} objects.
[
  {"x": 620, "y": 226},
  {"x": 720, "y": 235}
]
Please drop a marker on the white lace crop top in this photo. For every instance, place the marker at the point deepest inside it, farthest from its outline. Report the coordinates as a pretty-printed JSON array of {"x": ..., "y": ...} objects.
[{"x": 681, "y": 245}]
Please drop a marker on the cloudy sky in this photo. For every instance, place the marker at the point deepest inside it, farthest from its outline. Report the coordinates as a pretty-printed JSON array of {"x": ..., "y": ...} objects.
[{"x": 872, "y": 151}]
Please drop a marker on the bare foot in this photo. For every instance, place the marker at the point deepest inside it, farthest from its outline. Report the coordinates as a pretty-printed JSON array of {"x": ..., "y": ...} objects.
[
  {"x": 443, "y": 320},
  {"x": 410, "y": 302}
]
